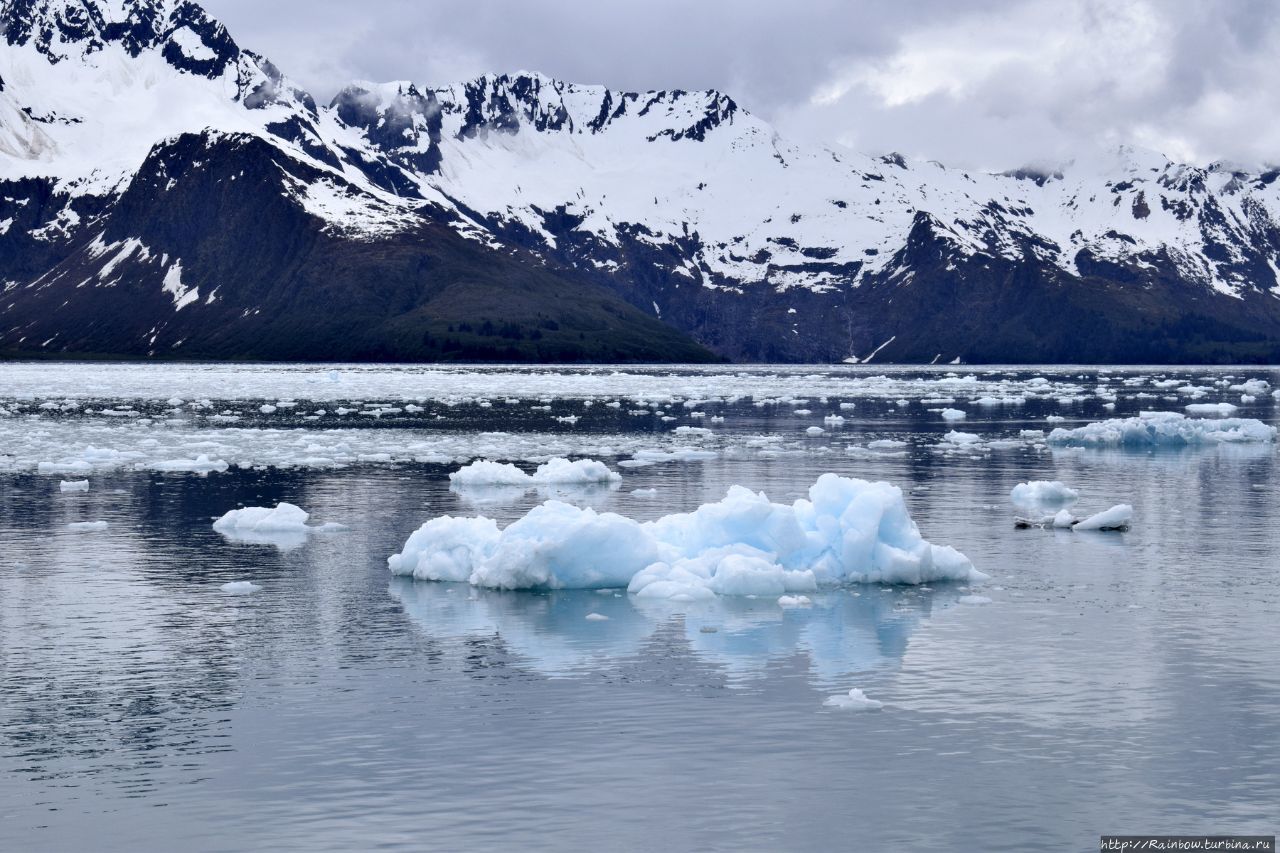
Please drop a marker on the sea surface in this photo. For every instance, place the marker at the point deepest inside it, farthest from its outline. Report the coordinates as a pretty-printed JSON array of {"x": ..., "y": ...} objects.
[{"x": 1114, "y": 683}]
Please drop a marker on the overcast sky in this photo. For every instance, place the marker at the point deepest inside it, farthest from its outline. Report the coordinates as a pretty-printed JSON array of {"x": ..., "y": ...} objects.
[{"x": 975, "y": 83}]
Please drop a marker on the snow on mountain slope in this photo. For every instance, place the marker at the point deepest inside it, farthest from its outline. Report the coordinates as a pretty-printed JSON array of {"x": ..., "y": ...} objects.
[
  {"x": 765, "y": 209},
  {"x": 90, "y": 87}
]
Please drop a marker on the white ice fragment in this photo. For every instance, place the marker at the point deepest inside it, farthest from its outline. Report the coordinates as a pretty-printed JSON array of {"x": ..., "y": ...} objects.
[
  {"x": 1212, "y": 409},
  {"x": 74, "y": 486},
  {"x": 597, "y": 617},
  {"x": 973, "y": 599},
  {"x": 1043, "y": 493},
  {"x": 240, "y": 588},
  {"x": 87, "y": 526},
  {"x": 792, "y": 601},
  {"x": 953, "y": 415},
  {"x": 854, "y": 700},
  {"x": 1116, "y": 518}
]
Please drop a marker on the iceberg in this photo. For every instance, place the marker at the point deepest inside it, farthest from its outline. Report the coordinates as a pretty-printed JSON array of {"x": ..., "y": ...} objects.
[
  {"x": 1043, "y": 493},
  {"x": 1116, "y": 518},
  {"x": 284, "y": 526},
  {"x": 1163, "y": 429},
  {"x": 847, "y": 531},
  {"x": 555, "y": 472}
]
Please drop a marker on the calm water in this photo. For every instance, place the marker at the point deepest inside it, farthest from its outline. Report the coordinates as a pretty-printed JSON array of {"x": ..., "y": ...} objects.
[{"x": 1116, "y": 683}]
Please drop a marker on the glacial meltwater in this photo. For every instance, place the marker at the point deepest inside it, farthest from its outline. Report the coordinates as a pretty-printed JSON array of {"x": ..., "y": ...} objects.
[{"x": 275, "y": 686}]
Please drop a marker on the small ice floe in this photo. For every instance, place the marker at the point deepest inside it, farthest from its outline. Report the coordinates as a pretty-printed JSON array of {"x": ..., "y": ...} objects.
[
  {"x": 814, "y": 431},
  {"x": 240, "y": 588},
  {"x": 597, "y": 617},
  {"x": 87, "y": 526},
  {"x": 284, "y": 526},
  {"x": 953, "y": 415},
  {"x": 74, "y": 486},
  {"x": 1043, "y": 493},
  {"x": 558, "y": 472},
  {"x": 1116, "y": 518},
  {"x": 973, "y": 599},
  {"x": 793, "y": 601},
  {"x": 854, "y": 700},
  {"x": 1223, "y": 409},
  {"x": 643, "y": 493}
]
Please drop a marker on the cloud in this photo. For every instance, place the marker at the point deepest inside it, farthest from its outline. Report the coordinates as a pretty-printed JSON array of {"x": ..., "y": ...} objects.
[{"x": 976, "y": 83}]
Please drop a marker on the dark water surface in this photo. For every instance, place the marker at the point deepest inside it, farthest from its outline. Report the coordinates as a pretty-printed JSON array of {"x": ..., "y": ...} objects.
[{"x": 1116, "y": 683}]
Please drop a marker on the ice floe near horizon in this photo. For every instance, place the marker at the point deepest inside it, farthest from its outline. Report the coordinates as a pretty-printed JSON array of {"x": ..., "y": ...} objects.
[
  {"x": 847, "y": 531},
  {"x": 1169, "y": 429}
]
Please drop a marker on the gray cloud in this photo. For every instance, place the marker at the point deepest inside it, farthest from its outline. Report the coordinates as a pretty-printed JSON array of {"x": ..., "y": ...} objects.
[{"x": 977, "y": 83}]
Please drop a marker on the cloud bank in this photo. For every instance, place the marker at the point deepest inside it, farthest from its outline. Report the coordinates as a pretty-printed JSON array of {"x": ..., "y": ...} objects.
[{"x": 987, "y": 84}]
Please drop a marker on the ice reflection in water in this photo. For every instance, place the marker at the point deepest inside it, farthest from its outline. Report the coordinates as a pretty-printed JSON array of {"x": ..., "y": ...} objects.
[{"x": 845, "y": 632}]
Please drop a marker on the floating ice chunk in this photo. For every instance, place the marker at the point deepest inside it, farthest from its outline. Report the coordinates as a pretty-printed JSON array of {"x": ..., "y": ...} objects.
[
  {"x": 953, "y": 415},
  {"x": 814, "y": 431},
  {"x": 1152, "y": 429},
  {"x": 1063, "y": 519},
  {"x": 563, "y": 472},
  {"x": 87, "y": 526},
  {"x": 329, "y": 527},
  {"x": 446, "y": 549},
  {"x": 482, "y": 473},
  {"x": 1252, "y": 387},
  {"x": 847, "y": 531},
  {"x": 283, "y": 516},
  {"x": 886, "y": 444},
  {"x": 596, "y": 617},
  {"x": 1043, "y": 493},
  {"x": 284, "y": 525},
  {"x": 74, "y": 486},
  {"x": 240, "y": 588},
  {"x": 973, "y": 599},
  {"x": 854, "y": 700},
  {"x": 644, "y": 493},
  {"x": 961, "y": 438},
  {"x": 266, "y": 408},
  {"x": 834, "y": 420},
  {"x": 1212, "y": 409},
  {"x": 791, "y": 601},
  {"x": 1116, "y": 518}
]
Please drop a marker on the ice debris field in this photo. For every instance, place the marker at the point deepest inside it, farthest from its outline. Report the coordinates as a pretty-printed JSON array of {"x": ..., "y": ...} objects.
[{"x": 243, "y": 416}]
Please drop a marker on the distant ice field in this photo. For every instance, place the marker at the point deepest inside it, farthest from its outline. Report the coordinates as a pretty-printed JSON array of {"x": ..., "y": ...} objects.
[{"x": 61, "y": 420}]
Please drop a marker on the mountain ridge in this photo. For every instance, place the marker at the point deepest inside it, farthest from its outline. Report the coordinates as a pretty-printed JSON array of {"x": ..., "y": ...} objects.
[{"x": 683, "y": 204}]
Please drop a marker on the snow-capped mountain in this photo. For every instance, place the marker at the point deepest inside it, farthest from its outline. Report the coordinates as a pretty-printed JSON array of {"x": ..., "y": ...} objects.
[{"x": 162, "y": 189}]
